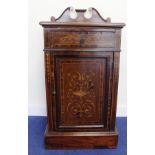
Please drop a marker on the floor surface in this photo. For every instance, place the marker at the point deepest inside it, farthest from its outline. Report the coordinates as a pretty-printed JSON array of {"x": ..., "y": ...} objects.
[{"x": 37, "y": 124}]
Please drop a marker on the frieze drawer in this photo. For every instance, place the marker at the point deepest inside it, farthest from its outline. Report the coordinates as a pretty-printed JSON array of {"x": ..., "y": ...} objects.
[{"x": 92, "y": 39}]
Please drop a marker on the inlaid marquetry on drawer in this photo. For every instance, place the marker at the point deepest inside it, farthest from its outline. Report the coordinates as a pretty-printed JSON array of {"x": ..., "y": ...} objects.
[{"x": 72, "y": 39}]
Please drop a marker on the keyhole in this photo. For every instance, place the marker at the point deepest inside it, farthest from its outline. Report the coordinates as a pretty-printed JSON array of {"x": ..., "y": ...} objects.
[
  {"x": 90, "y": 85},
  {"x": 81, "y": 41},
  {"x": 78, "y": 114}
]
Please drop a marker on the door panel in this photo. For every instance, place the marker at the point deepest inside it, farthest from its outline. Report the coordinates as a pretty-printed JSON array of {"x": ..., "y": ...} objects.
[{"x": 81, "y": 98}]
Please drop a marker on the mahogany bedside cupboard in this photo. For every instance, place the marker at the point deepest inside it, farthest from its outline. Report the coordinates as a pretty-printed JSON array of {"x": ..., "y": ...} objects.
[{"x": 81, "y": 72}]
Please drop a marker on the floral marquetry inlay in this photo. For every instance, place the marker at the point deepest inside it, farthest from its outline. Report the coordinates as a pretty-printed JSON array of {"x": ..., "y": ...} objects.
[
  {"x": 81, "y": 94},
  {"x": 81, "y": 89}
]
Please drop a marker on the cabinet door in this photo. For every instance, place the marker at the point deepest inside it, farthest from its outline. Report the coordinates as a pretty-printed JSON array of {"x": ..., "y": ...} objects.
[{"x": 82, "y": 84}]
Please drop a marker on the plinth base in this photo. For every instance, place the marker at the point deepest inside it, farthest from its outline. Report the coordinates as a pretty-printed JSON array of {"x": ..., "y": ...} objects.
[{"x": 80, "y": 140}]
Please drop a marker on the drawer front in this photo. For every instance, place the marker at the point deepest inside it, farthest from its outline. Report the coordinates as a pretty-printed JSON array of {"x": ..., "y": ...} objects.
[
  {"x": 81, "y": 86},
  {"x": 80, "y": 39}
]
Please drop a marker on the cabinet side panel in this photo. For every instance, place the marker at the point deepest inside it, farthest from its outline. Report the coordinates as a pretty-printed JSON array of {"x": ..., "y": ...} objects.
[
  {"x": 114, "y": 90},
  {"x": 48, "y": 79},
  {"x": 117, "y": 39}
]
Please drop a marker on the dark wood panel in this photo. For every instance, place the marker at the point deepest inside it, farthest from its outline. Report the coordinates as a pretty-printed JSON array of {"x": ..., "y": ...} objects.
[
  {"x": 82, "y": 80},
  {"x": 82, "y": 85}
]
